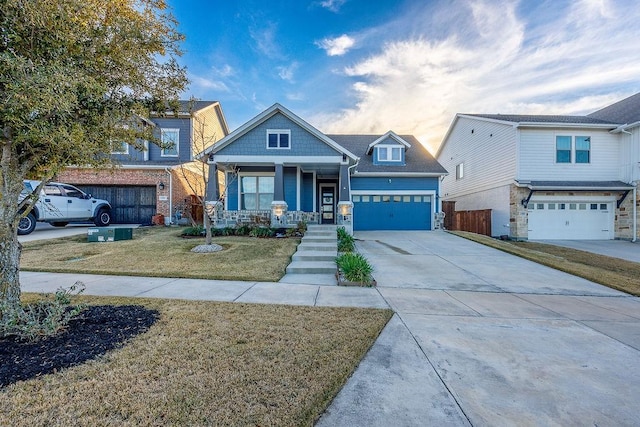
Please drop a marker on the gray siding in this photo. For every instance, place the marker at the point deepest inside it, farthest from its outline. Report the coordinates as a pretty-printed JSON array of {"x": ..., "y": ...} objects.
[
  {"x": 184, "y": 153},
  {"x": 254, "y": 142}
]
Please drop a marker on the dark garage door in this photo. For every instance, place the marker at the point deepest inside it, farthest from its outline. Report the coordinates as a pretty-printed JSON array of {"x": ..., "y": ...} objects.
[
  {"x": 392, "y": 212},
  {"x": 130, "y": 204}
]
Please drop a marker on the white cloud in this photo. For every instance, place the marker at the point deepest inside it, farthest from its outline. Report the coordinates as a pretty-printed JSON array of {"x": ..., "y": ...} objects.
[
  {"x": 287, "y": 73},
  {"x": 225, "y": 71},
  {"x": 295, "y": 96},
  {"x": 209, "y": 84},
  {"x": 264, "y": 37},
  {"x": 332, "y": 5},
  {"x": 336, "y": 46},
  {"x": 498, "y": 62}
]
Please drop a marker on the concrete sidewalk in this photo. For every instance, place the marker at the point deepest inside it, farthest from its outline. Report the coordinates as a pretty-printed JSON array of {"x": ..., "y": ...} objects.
[{"x": 207, "y": 290}]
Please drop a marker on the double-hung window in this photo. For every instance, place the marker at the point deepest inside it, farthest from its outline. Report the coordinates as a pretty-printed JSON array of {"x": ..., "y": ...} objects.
[
  {"x": 119, "y": 147},
  {"x": 573, "y": 149},
  {"x": 563, "y": 149},
  {"x": 169, "y": 139},
  {"x": 278, "y": 138},
  {"x": 583, "y": 149},
  {"x": 256, "y": 192}
]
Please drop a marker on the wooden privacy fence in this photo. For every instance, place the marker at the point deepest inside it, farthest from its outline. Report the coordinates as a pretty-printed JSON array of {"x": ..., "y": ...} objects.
[{"x": 478, "y": 221}]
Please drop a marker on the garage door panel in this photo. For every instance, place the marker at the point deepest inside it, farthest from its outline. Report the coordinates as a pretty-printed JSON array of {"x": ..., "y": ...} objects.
[
  {"x": 130, "y": 204},
  {"x": 573, "y": 220},
  {"x": 392, "y": 212}
]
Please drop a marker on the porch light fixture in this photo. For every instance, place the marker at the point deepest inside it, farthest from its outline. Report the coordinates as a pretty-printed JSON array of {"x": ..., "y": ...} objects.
[
  {"x": 278, "y": 210},
  {"x": 344, "y": 210},
  {"x": 161, "y": 185}
]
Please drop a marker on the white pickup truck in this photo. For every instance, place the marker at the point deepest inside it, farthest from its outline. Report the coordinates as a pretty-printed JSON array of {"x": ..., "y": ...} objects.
[{"x": 59, "y": 204}]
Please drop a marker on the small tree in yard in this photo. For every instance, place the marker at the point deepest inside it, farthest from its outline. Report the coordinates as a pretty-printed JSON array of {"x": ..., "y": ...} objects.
[
  {"x": 196, "y": 174},
  {"x": 74, "y": 76}
]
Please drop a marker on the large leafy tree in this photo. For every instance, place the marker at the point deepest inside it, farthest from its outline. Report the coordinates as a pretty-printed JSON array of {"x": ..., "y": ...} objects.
[{"x": 74, "y": 77}]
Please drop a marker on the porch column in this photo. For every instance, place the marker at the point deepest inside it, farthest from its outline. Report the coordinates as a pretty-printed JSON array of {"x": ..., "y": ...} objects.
[
  {"x": 278, "y": 206},
  {"x": 213, "y": 191},
  {"x": 345, "y": 207}
]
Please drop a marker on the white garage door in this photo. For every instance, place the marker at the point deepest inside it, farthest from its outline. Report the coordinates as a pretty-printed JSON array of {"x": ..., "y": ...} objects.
[{"x": 581, "y": 220}]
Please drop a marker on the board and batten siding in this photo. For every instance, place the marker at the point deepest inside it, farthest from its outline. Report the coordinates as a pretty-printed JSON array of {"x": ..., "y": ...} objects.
[
  {"x": 254, "y": 142},
  {"x": 630, "y": 156},
  {"x": 487, "y": 150},
  {"x": 537, "y": 158}
]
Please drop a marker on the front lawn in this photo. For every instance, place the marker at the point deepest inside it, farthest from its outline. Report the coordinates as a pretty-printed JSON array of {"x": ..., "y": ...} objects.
[
  {"x": 615, "y": 273},
  {"x": 206, "y": 363},
  {"x": 161, "y": 252}
]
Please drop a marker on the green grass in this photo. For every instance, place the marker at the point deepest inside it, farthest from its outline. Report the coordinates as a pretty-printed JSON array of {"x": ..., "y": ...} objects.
[
  {"x": 206, "y": 363},
  {"x": 161, "y": 252},
  {"x": 612, "y": 272}
]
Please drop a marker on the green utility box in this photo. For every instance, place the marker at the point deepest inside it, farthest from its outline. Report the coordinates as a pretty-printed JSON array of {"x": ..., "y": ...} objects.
[{"x": 109, "y": 234}]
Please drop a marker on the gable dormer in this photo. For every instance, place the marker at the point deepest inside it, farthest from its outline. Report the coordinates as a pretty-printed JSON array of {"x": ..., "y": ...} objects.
[{"x": 388, "y": 150}]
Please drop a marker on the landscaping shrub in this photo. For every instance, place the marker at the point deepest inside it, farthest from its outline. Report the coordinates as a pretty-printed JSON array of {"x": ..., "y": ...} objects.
[
  {"x": 193, "y": 231},
  {"x": 346, "y": 242},
  {"x": 262, "y": 232},
  {"x": 42, "y": 319},
  {"x": 355, "y": 268}
]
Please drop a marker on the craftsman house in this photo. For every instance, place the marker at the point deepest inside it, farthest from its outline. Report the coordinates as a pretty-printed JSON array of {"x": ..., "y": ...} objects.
[{"x": 278, "y": 169}]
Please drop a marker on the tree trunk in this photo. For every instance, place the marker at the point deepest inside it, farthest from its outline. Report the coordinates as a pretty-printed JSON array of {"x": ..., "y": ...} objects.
[
  {"x": 206, "y": 222},
  {"x": 10, "y": 250}
]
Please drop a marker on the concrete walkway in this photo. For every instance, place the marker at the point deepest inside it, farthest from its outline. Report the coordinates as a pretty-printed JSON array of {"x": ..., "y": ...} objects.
[
  {"x": 480, "y": 337},
  {"x": 206, "y": 290}
]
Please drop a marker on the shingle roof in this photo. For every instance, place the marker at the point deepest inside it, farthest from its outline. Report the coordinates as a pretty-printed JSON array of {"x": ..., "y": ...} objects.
[
  {"x": 524, "y": 118},
  {"x": 417, "y": 158},
  {"x": 187, "y": 106},
  {"x": 626, "y": 111}
]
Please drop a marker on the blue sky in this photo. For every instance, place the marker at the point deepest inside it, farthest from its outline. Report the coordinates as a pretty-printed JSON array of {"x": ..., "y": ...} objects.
[{"x": 363, "y": 66}]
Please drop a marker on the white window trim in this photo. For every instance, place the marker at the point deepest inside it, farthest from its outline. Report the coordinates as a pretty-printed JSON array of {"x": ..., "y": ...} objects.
[
  {"x": 389, "y": 151},
  {"x": 573, "y": 149},
  {"x": 459, "y": 171},
  {"x": 125, "y": 151},
  {"x": 279, "y": 132},
  {"x": 242, "y": 174},
  {"x": 162, "y": 131}
]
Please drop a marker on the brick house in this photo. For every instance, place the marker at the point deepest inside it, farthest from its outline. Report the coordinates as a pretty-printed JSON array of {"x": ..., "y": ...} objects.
[{"x": 156, "y": 180}]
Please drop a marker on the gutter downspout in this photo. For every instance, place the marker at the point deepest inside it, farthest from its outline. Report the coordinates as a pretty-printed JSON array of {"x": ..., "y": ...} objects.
[
  {"x": 635, "y": 212},
  {"x": 168, "y": 170},
  {"x": 349, "y": 169}
]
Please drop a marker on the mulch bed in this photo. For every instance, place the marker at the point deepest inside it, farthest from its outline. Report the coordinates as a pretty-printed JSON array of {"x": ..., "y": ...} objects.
[{"x": 94, "y": 332}]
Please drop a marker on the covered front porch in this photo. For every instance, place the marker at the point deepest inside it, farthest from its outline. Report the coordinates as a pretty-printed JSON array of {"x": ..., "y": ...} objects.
[{"x": 280, "y": 195}]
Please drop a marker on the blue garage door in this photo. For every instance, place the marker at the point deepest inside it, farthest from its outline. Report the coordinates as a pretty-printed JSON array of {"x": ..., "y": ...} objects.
[{"x": 396, "y": 212}]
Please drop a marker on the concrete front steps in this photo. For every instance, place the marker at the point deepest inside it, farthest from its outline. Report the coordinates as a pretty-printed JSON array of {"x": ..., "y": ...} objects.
[{"x": 314, "y": 261}]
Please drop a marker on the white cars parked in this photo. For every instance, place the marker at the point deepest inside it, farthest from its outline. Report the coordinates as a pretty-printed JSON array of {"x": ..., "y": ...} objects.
[{"x": 59, "y": 204}]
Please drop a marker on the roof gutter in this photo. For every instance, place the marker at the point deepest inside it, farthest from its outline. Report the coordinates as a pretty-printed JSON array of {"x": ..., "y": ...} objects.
[{"x": 623, "y": 128}]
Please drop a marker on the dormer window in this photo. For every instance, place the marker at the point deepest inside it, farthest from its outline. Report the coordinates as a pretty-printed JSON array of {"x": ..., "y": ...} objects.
[
  {"x": 389, "y": 153},
  {"x": 278, "y": 138}
]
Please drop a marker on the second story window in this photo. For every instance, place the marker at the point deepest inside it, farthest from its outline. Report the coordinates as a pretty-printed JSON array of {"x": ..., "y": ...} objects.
[
  {"x": 563, "y": 149},
  {"x": 583, "y": 149},
  {"x": 460, "y": 171},
  {"x": 573, "y": 149},
  {"x": 170, "y": 141},
  {"x": 278, "y": 138},
  {"x": 389, "y": 154},
  {"x": 119, "y": 147}
]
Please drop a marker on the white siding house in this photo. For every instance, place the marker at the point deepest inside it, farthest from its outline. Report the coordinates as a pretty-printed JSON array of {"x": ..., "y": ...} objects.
[{"x": 547, "y": 177}]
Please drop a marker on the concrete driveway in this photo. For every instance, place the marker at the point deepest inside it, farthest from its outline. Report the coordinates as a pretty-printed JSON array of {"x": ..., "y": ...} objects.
[
  {"x": 482, "y": 337},
  {"x": 614, "y": 248}
]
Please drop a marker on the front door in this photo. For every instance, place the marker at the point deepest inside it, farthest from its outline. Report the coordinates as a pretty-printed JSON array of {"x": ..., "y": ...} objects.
[{"x": 327, "y": 204}]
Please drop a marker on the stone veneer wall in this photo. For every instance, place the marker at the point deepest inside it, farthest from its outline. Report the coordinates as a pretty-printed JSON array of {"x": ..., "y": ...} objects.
[
  {"x": 624, "y": 218},
  {"x": 518, "y": 214},
  {"x": 226, "y": 218}
]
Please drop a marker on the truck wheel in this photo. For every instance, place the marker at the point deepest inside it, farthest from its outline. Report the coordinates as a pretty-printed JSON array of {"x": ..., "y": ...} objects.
[
  {"x": 27, "y": 224},
  {"x": 103, "y": 218},
  {"x": 59, "y": 224}
]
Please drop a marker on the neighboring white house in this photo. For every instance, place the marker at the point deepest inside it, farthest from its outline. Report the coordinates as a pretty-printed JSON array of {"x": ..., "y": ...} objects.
[{"x": 548, "y": 177}]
